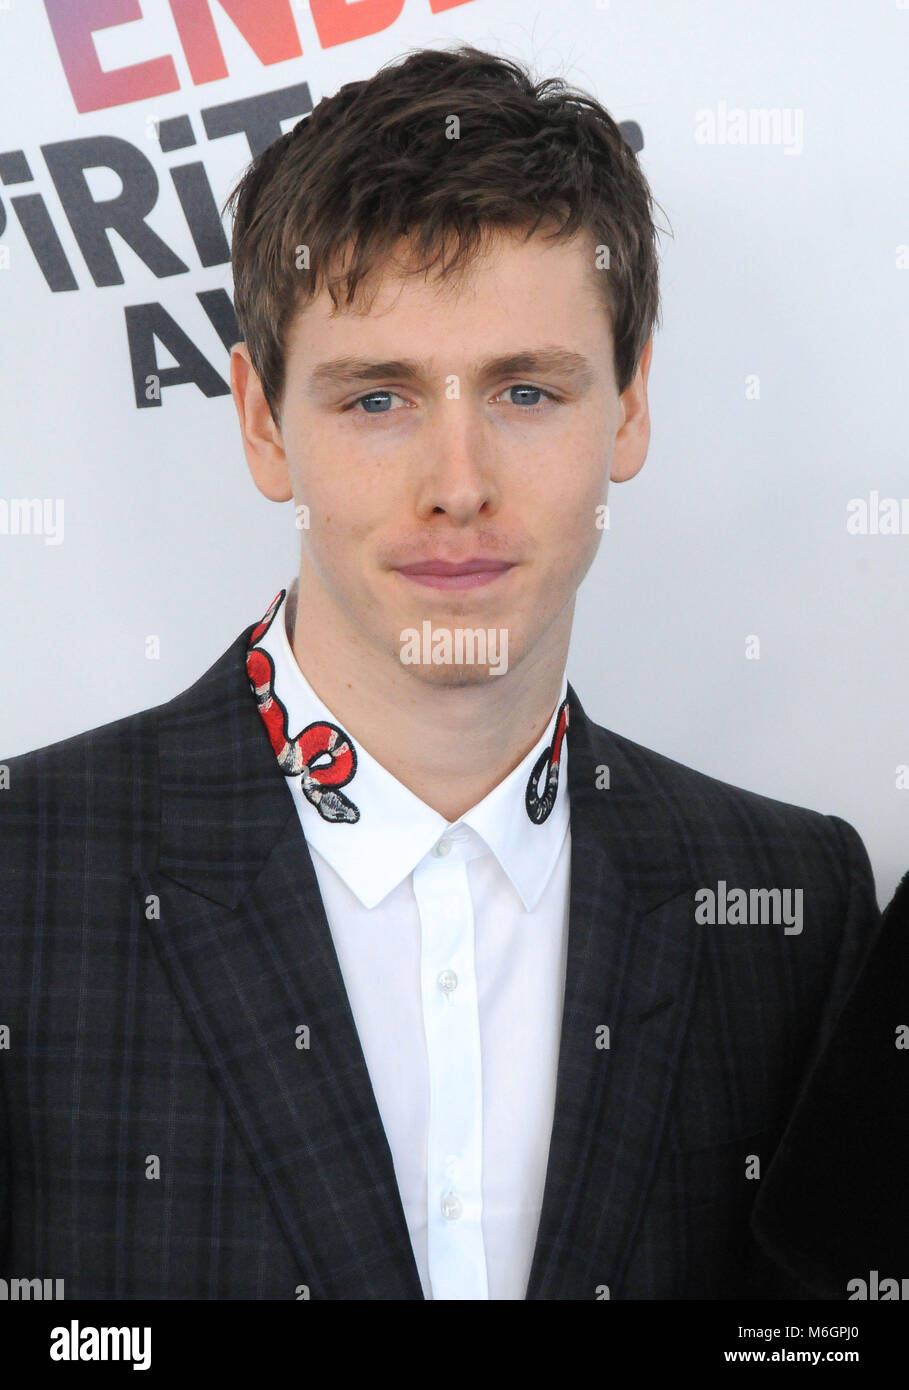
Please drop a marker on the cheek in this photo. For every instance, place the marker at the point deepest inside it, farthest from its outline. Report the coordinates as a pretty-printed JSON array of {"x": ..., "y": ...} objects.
[
  {"x": 337, "y": 540},
  {"x": 581, "y": 545},
  {"x": 330, "y": 534},
  {"x": 575, "y": 513},
  {"x": 329, "y": 504}
]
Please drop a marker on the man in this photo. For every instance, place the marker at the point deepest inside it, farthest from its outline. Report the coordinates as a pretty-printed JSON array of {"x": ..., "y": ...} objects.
[
  {"x": 369, "y": 966},
  {"x": 836, "y": 1213}
]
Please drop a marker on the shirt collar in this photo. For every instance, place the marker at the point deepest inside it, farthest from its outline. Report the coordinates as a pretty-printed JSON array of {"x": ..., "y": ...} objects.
[{"x": 373, "y": 830}]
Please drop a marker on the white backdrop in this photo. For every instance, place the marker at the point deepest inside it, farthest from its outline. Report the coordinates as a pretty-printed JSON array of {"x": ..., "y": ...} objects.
[{"x": 778, "y": 387}]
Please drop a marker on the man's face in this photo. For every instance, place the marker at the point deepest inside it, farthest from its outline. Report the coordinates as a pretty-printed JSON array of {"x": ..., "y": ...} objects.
[{"x": 431, "y": 446}]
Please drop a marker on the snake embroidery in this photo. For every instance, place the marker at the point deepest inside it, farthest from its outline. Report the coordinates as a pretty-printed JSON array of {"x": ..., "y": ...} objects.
[
  {"x": 539, "y": 807},
  {"x": 299, "y": 756}
]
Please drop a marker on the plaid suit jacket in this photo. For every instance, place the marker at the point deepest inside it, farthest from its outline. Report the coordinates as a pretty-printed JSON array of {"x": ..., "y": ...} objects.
[{"x": 162, "y": 1135}]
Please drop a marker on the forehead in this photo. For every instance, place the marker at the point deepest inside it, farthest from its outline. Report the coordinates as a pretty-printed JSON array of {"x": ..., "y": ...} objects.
[{"x": 512, "y": 286}]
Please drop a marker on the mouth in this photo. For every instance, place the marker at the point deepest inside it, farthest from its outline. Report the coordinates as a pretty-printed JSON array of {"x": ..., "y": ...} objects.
[{"x": 472, "y": 574}]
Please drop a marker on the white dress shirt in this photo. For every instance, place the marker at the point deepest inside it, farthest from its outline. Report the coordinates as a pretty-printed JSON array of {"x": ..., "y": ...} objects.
[{"x": 451, "y": 940}]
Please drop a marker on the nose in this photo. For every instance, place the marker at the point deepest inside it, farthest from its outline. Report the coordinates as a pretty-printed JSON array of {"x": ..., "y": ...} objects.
[{"x": 456, "y": 473}]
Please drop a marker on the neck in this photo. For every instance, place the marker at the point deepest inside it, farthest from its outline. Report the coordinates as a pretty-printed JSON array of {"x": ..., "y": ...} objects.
[{"x": 448, "y": 744}]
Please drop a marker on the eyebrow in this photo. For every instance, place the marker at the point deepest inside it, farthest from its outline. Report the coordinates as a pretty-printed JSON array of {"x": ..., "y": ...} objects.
[{"x": 347, "y": 371}]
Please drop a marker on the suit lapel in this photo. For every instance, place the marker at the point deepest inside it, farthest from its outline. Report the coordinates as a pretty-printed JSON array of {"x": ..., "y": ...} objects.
[
  {"x": 632, "y": 959},
  {"x": 243, "y": 936}
]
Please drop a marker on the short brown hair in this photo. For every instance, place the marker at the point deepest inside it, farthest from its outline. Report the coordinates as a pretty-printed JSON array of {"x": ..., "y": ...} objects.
[{"x": 372, "y": 164}]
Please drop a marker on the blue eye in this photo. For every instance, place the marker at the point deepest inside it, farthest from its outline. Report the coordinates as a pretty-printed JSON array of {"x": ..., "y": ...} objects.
[
  {"x": 535, "y": 391},
  {"x": 372, "y": 398}
]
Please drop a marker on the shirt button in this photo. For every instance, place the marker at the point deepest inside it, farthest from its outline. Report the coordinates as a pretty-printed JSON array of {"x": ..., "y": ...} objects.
[
  {"x": 447, "y": 981},
  {"x": 441, "y": 848},
  {"x": 451, "y": 1206}
]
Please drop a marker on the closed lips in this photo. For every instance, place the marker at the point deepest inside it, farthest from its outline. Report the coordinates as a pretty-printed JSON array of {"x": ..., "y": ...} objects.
[{"x": 445, "y": 567}]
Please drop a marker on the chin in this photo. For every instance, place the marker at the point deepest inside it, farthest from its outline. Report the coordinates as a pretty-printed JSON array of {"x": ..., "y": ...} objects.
[{"x": 453, "y": 677}]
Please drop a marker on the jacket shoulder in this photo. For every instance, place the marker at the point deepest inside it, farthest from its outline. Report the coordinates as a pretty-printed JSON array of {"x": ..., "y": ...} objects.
[
  {"x": 100, "y": 785},
  {"x": 719, "y": 822}
]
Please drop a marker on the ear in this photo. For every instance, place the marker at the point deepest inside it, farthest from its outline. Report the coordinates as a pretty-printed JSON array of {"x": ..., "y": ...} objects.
[
  {"x": 262, "y": 441},
  {"x": 633, "y": 437}
]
